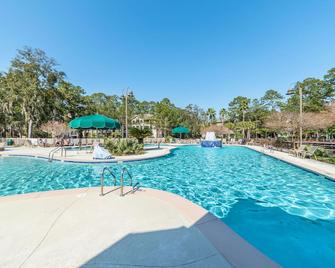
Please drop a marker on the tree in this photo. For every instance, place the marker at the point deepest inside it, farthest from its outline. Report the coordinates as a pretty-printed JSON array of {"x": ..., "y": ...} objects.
[
  {"x": 330, "y": 78},
  {"x": 140, "y": 134},
  {"x": 257, "y": 111},
  {"x": 55, "y": 128},
  {"x": 132, "y": 104},
  {"x": 237, "y": 108},
  {"x": 283, "y": 121},
  {"x": 194, "y": 118},
  {"x": 222, "y": 114},
  {"x": 35, "y": 77},
  {"x": 316, "y": 95},
  {"x": 272, "y": 100},
  {"x": 289, "y": 121},
  {"x": 245, "y": 125},
  {"x": 104, "y": 104},
  {"x": 211, "y": 113},
  {"x": 9, "y": 112},
  {"x": 321, "y": 120},
  {"x": 165, "y": 115},
  {"x": 71, "y": 102}
]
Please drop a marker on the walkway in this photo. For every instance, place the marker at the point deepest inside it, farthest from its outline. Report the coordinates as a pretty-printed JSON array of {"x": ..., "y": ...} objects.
[
  {"x": 322, "y": 168},
  {"x": 83, "y": 155},
  {"x": 150, "y": 228}
]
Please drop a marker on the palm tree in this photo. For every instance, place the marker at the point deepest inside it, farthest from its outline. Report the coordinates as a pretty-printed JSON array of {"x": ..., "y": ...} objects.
[
  {"x": 222, "y": 114},
  {"x": 140, "y": 134},
  {"x": 211, "y": 113},
  {"x": 244, "y": 107}
]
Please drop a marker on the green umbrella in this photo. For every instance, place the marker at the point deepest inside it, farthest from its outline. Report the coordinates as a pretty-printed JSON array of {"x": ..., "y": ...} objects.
[
  {"x": 94, "y": 121},
  {"x": 180, "y": 130}
]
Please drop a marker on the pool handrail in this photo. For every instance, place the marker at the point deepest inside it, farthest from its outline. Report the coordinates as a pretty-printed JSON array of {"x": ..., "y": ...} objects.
[
  {"x": 53, "y": 151},
  {"x": 124, "y": 171},
  {"x": 102, "y": 179}
]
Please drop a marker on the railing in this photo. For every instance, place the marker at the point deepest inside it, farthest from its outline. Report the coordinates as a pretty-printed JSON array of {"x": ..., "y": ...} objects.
[
  {"x": 124, "y": 172},
  {"x": 53, "y": 151},
  {"x": 102, "y": 179}
]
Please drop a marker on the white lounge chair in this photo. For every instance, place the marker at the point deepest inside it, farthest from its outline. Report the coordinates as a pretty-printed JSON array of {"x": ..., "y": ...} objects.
[
  {"x": 310, "y": 152},
  {"x": 298, "y": 152},
  {"x": 100, "y": 153}
]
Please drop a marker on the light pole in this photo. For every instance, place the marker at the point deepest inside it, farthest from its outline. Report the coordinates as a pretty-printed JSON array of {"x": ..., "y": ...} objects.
[
  {"x": 128, "y": 93},
  {"x": 291, "y": 92}
]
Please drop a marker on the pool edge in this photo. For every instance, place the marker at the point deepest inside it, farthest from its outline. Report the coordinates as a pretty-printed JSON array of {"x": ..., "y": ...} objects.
[{"x": 236, "y": 250}]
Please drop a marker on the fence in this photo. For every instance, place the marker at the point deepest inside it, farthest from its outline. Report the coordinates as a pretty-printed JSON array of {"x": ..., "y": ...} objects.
[{"x": 49, "y": 141}]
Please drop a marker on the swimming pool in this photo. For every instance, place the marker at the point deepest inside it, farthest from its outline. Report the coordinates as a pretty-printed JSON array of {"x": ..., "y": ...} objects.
[{"x": 285, "y": 211}]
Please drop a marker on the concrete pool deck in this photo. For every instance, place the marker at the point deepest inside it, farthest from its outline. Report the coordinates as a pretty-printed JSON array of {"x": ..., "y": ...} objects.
[
  {"x": 148, "y": 228},
  {"x": 84, "y": 155},
  {"x": 322, "y": 168}
]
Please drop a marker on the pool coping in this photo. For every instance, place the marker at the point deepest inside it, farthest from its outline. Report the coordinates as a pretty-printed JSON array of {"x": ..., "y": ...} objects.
[
  {"x": 233, "y": 248},
  {"x": 160, "y": 152},
  {"x": 309, "y": 165}
]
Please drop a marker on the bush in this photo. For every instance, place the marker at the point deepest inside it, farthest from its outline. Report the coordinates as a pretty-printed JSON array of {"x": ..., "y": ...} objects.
[
  {"x": 40, "y": 134},
  {"x": 140, "y": 134},
  {"x": 321, "y": 152},
  {"x": 280, "y": 142},
  {"x": 124, "y": 147},
  {"x": 168, "y": 139}
]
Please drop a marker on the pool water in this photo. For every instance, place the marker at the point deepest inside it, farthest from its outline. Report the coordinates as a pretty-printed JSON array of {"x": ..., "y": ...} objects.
[{"x": 286, "y": 212}]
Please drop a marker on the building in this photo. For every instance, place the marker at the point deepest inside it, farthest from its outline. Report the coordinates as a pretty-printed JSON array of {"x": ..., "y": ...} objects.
[{"x": 146, "y": 121}]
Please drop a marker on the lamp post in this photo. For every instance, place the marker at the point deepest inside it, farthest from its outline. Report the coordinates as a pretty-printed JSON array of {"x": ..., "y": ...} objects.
[
  {"x": 127, "y": 94},
  {"x": 291, "y": 92}
]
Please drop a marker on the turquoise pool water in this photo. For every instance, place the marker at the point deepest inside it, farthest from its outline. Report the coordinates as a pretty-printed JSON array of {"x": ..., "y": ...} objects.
[{"x": 285, "y": 211}]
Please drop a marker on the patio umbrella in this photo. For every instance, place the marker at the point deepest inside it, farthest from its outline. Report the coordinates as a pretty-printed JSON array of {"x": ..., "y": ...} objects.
[
  {"x": 94, "y": 121},
  {"x": 180, "y": 130}
]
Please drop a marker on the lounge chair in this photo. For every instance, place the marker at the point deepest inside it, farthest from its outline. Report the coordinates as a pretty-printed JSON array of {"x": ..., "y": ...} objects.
[
  {"x": 101, "y": 153},
  {"x": 268, "y": 148},
  {"x": 298, "y": 152},
  {"x": 310, "y": 152}
]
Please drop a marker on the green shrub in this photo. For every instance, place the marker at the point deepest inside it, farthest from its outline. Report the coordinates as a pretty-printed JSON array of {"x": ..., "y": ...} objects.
[
  {"x": 40, "y": 134},
  {"x": 140, "y": 134},
  {"x": 124, "y": 147},
  {"x": 321, "y": 152},
  {"x": 168, "y": 139},
  {"x": 280, "y": 142}
]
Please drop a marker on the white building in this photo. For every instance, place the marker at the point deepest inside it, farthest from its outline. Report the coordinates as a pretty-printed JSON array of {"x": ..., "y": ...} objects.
[{"x": 146, "y": 121}]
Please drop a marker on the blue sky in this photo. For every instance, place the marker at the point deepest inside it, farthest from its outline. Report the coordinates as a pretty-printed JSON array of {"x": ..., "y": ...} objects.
[{"x": 200, "y": 52}]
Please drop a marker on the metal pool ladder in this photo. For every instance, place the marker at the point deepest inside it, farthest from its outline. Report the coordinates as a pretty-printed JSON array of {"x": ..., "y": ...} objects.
[
  {"x": 53, "y": 151},
  {"x": 124, "y": 172}
]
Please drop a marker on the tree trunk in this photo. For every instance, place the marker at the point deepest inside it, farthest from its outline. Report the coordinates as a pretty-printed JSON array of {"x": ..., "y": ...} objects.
[
  {"x": 165, "y": 126},
  {"x": 243, "y": 131},
  {"x": 30, "y": 128}
]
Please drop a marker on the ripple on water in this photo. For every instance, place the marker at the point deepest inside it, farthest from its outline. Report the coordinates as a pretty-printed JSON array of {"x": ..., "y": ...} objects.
[{"x": 215, "y": 179}]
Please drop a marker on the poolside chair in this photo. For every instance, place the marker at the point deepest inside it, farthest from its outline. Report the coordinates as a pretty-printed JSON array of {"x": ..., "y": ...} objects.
[
  {"x": 100, "y": 153},
  {"x": 310, "y": 152},
  {"x": 298, "y": 152}
]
